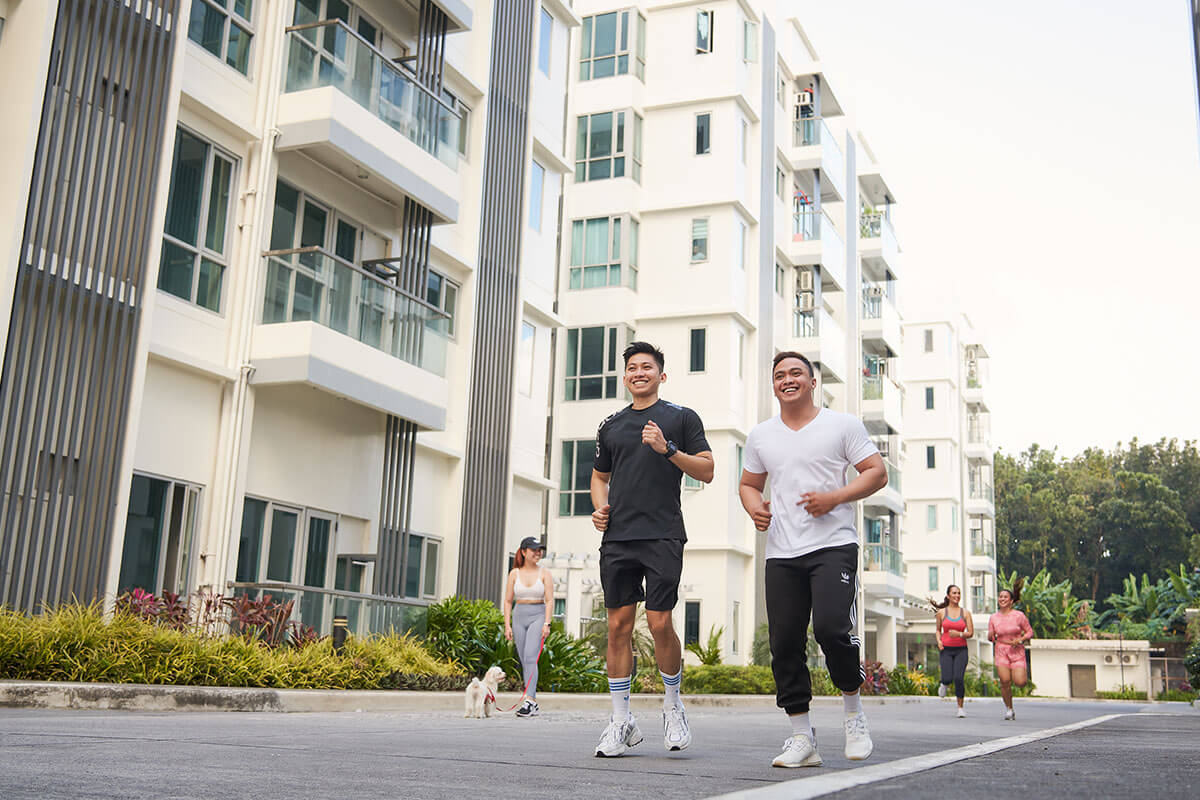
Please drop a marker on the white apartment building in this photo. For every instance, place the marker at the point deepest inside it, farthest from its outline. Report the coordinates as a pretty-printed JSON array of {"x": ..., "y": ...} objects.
[
  {"x": 950, "y": 535},
  {"x": 279, "y": 293},
  {"x": 723, "y": 208}
]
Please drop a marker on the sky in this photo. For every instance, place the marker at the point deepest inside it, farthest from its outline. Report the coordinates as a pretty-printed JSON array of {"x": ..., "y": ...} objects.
[{"x": 1046, "y": 164}]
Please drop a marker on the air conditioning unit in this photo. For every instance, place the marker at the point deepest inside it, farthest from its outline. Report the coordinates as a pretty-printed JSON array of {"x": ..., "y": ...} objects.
[
  {"x": 1110, "y": 659},
  {"x": 804, "y": 99},
  {"x": 807, "y": 301},
  {"x": 805, "y": 280},
  {"x": 875, "y": 291},
  {"x": 977, "y": 580},
  {"x": 1129, "y": 658}
]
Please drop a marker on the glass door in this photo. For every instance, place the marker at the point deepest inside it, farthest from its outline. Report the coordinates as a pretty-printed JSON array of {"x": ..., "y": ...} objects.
[{"x": 317, "y": 551}]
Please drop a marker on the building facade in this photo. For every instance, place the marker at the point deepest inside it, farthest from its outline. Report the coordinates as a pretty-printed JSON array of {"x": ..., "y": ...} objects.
[{"x": 951, "y": 524}]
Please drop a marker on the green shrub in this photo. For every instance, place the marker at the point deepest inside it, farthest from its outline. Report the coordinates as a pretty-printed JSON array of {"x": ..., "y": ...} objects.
[
  {"x": 1191, "y": 661},
  {"x": 728, "y": 679},
  {"x": 1176, "y": 695},
  {"x": 77, "y": 643},
  {"x": 710, "y": 652},
  {"x": 1123, "y": 693},
  {"x": 902, "y": 680},
  {"x": 760, "y": 651}
]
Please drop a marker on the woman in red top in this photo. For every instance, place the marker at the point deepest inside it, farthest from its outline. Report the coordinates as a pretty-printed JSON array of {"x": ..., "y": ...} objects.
[
  {"x": 954, "y": 627},
  {"x": 1010, "y": 630}
]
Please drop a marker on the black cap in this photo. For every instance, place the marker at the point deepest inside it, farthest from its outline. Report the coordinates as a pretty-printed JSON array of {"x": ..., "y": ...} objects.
[{"x": 532, "y": 543}]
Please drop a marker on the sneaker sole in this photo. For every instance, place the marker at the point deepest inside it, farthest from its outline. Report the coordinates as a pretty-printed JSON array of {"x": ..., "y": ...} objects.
[
  {"x": 808, "y": 762},
  {"x": 602, "y": 754},
  {"x": 673, "y": 747},
  {"x": 863, "y": 757}
]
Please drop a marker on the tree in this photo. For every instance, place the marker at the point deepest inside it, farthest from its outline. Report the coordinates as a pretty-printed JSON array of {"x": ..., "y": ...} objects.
[{"x": 1053, "y": 611}]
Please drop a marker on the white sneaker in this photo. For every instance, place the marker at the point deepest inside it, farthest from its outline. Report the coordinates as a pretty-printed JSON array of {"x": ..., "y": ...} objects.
[
  {"x": 961, "y": 713},
  {"x": 618, "y": 737},
  {"x": 799, "y": 751},
  {"x": 528, "y": 709},
  {"x": 858, "y": 738},
  {"x": 1010, "y": 714},
  {"x": 676, "y": 733},
  {"x": 941, "y": 690}
]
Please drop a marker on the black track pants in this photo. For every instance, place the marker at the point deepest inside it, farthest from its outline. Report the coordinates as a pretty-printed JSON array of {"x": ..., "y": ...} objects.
[
  {"x": 823, "y": 584},
  {"x": 954, "y": 669}
]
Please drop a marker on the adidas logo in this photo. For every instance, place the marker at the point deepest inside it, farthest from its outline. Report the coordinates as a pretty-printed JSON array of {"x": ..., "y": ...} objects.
[{"x": 845, "y": 577}]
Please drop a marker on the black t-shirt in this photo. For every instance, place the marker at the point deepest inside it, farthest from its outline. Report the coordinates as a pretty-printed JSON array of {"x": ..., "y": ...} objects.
[{"x": 644, "y": 488}]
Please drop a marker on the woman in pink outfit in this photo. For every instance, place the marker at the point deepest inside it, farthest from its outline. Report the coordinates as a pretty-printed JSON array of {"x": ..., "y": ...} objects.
[{"x": 1009, "y": 630}]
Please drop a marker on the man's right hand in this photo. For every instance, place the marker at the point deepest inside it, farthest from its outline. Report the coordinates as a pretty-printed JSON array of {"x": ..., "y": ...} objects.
[
  {"x": 600, "y": 517},
  {"x": 762, "y": 516}
]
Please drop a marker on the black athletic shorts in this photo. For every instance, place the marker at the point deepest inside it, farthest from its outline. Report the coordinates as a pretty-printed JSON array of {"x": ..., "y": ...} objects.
[{"x": 625, "y": 565}]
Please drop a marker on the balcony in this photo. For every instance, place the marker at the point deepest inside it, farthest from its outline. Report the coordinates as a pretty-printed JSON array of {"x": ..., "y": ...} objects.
[
  {"x": 816, "y": 240},
  {"x": 883, "y": 571},
  {"x": 978, "y": 445},
  {"x": 351, "y": 331},
  {"x": 981, "y": 557},
  {"x": 348, "y": 107},
  {"x": 880, "y": 320},
  {"x": 882, "y": 404},
  {"x": 818, "y": 336},
  {"x": 814, "y": 146},
  {"x": 891, "y": 497},
  {"x": 980, "y": 498},
  {"x": 878, "y": 247}
]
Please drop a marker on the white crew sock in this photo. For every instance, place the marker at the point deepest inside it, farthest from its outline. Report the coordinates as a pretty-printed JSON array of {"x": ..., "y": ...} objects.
[
  {"x": 671, "y": 685},
  {"x": 618, "y": 689},
  {"x": 852, "y": 703},
  {"x": 801, "y": 725}
]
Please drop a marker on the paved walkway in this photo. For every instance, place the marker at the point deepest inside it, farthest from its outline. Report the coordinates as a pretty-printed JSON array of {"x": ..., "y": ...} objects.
[{"x": 435, "y": 755}]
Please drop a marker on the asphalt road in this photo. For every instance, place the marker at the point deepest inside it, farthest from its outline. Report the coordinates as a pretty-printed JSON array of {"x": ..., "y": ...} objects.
[{"x": 435, "y": 755}]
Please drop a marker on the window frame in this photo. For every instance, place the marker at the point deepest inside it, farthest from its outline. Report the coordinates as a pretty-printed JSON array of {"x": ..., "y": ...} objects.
[
  {"x": 930, "y": 456},
  {"x": 625, "y": 145},
  {"x": 614, "y": 342},
  {"x": 230, "y": 17},
  {"x": 749, "y": 41},
  {"x": 928, "y": 340},
  {"x": 573, "y": 494},
  {"x": 931, "y": 516},
  {"x": 706, "y": 239},
  {"x": 525, "y": 382},
  {"x": 703, "y": 331},
  {"x": 545, "y": 41},
  {"x": 428, "y": 541},
  {"x": 929, "y": 398},
  {"x": 200, "y": 251},
  {"x": 634, "y": 51},
  {"x": 187, "y": 557},
  {"x": 707, "y": 147},
  {"x": 691, "y": 607},
  {"x": 300, "y": 547},
  {"x": 709, "y": 43},
  {"x": 744, "y": 140},
  {"x": 449, "y": 306},
  {"x": 534, "y": 169},
  {"x": 624, "y": 259},
  {"x": 934, "y": 579},
  {"x": 743, "y": 244}
]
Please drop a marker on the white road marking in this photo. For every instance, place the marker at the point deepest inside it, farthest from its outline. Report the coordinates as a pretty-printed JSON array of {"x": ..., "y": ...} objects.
[{"x": 821, "y": 785}]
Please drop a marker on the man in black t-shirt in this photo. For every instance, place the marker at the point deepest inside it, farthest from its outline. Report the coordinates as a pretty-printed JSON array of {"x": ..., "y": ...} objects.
[{"x": 642, "y": 452}]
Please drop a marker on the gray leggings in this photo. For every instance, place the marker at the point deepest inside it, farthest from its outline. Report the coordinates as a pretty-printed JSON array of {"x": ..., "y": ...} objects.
[
  {"x": 954, "y": 668},
  {"x": 528, "y": 619}
]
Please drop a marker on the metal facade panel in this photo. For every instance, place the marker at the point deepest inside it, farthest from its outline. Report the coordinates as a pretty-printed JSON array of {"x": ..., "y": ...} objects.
[
  {"x": 489, "y": 425},
  {"x": 68, "y": 364}
]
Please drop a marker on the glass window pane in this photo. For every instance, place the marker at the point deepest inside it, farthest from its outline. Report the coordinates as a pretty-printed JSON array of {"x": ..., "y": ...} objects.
[
  {"x": 618, "y": 168},
  {"x": 316, "y": 556},
  {"x": 620, "y": 144},
  {"x": 412, "y": 568},
  {"x": 218, "y": 205},
  {"x": 606, "y": 35},
  {"x": 345, "y": 242},
  {"x": 175, "y": 271},
  {"x": 702, "y": 134},
  {"x": 143, "y": 534},
  {"x": 595, "y": 277},
  {"x": 568, "y": 465},
  {"x": 573, "y": 351},
  {"x": 604, "y": 67},
  {"x": 312, "y": 227},
  {"x": 622, "y": 65},
  {"x": 577, "y": 243},
  {"x": 307, "y": 11},
  {"x": 282, "y": 552},
  {"x": 187, "y": 188},
  {"x": 275, "y": 295},
  {"x": 537, "y": 177},
  {"x": 591, "y": 388},
  {"x": 612, "y": 349},
  {"x": 697, "y": 350},
  {"x": 431, "y": 568},
  {"x": 616, "y": 239},
  {"x": 585, "y": 458},
  {"x": 206, "y": 27},
  {"x": 208, "y": 291},
  {"x": 598, "y": 170},
  {"x": 449, "y": 305},
  {"x": 243, "y": 8},
  {"x": 283, "y": 221},
  {"x": 597, "y": 241},
  {"x": 544, "y": 36},
  {"x": 600, "y": 143},
  {"x": 586, "y": 39},
  {"x": 254, "y": 514},
  {"x": 591, "y": 351},
  {"x": 703, "y": 31},
  {"x": 583, "y": 504},
  {"x": 367, "y": 30},
  {"x": 634, "y": 225},
  {"x": 238, "y": 54}
]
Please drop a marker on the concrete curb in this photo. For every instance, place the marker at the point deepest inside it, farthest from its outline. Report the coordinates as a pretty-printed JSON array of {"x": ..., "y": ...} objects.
[{"x": 142, "y": 697}]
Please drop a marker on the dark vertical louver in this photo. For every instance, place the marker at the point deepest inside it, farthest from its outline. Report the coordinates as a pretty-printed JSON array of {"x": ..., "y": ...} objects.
[
  {"x": 395, "y": 510},
  {"x": 489, "y": 423},
  {"x": 431, "y": 46},
  {"x": 72, "y": 338}
]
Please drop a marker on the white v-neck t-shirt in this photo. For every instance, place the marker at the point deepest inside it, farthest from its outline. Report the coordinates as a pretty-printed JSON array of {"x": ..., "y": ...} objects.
[{"x": 815, "y": 458}]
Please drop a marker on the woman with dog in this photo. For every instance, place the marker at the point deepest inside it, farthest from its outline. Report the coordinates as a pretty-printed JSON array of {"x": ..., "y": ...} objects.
[
  {"x": 954, "y": 628},
  {"x": 528, "y": 606},
  {"x": 1009, "y": 629}
]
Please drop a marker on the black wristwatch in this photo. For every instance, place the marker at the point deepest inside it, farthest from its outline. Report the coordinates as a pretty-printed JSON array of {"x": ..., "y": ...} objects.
[{"x": 672, "y": 449}]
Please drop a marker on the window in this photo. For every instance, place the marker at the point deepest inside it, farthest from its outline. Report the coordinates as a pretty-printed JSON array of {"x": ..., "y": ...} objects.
[
  {"x": 735, "y": 628},
  {"x": 928, "y": 340},
  {"x": 574, "y": 497},
  {"x": 934, "y": 583},
  {"x": 954, "y": 517},
  {"x": 537, "y": 177},
  {"x": 749, "y": 41},
  {"x": 593, "y": 363},
  {"x": 781, "y": 183},
  {"x": 441, "y": 292},
  {"x": 780, "y": 280},
  {"x": 544, "y": 36},
  {"x": 160, "y": 529},
  {"x": 741, "y": 349},
  {"x": 195, "y": 236},
  {"x": 601, "y": 147},
  {"x": 691, "y": 483},
  {"x": 699, "y": 240},
  {"x": 605, "y": 45},
  {"x": 222, "y": 27},
  {"x": 781, "y": 92},
  {"x": 739, "y": 453},
  {"x": 744, "y": 140},
  {"x": 930, "y": 457},
  {"x": 287, "y": 544},
  {"x": 560, "y": 608},
  {"x": 525, "y": 359},
  {"x": 697, "y": 338},
  {"x": 464, "y": 128},
  {"x": 421, "y": 566},
  {"x": 931, "y": 517},
  {"x": 928, "y": 398},
  {"x": 691, "y": 622},
  {"x": 703, "y": 134},
  {"x": 704, "y": 31},
  {"x": 596, "y": 248},
  {"x": 743, "y": 234}
]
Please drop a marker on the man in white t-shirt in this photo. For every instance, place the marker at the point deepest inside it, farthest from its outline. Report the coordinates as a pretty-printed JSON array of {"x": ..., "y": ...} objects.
[{"x": 812, "y": 548}]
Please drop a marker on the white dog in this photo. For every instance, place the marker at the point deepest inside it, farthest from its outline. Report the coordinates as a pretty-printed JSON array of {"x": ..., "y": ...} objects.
[{"x": 481, "y": 694}]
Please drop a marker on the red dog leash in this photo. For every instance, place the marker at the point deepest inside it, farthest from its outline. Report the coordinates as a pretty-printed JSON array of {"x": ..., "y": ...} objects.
[{"x": 492, "y": 698}]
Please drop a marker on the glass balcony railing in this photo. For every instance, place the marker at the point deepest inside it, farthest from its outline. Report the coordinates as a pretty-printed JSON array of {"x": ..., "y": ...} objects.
[
  {"x": 806, "y": 225},
  {"x": 882, "y": 558},
  {"x": 365, "y": 613},
  {"x": 981, "y": 490},
  {"x": 982, "y": 545},
  {"x": 811, "y": 131},
  {"x": 872, "y": 387},
  {"x": 330, "y": 53},
  {"x": 872, "y": 305},
  {"x": 893, "y": 473},
  {"x": 977, "y": 432},
  {"x": 873, "y": 225},
  {"x": 308, "y": 284}
]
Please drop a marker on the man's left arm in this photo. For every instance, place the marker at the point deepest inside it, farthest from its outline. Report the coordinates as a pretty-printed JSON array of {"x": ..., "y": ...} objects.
[{"x": 872, "y": 476}]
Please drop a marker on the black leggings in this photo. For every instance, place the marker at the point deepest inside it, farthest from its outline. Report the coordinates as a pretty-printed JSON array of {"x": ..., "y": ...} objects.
[{"x": 954, "y": 669}]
